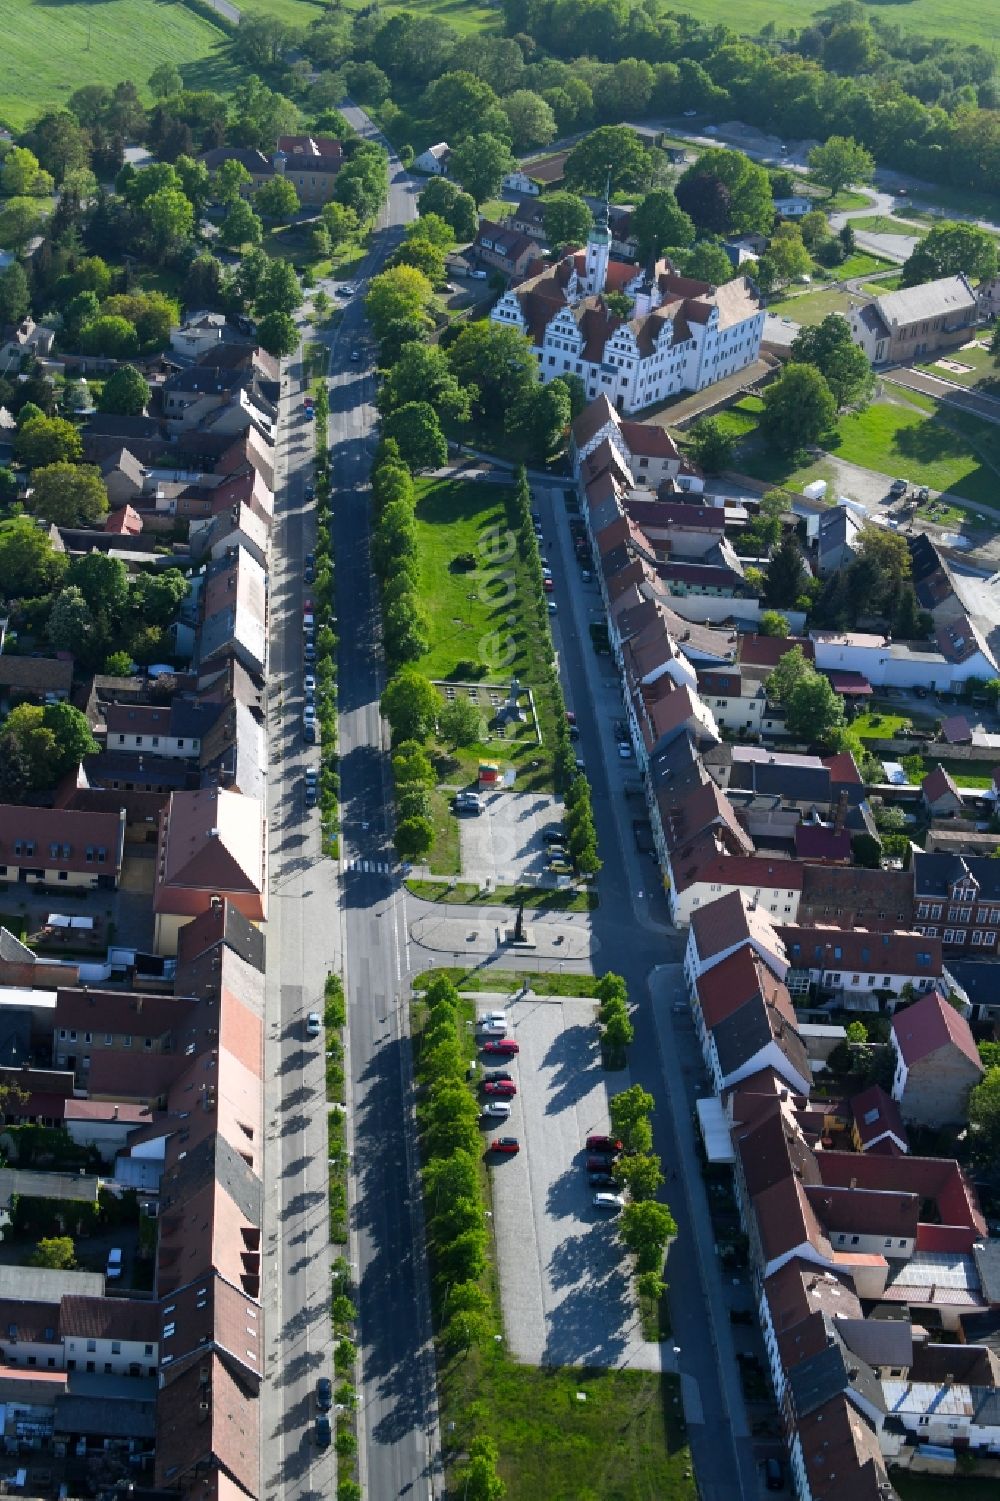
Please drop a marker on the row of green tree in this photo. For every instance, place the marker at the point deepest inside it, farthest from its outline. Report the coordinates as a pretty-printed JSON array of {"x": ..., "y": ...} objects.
[
  {"x": 449, "y": 1119},
  {"x": 326, "y": 636},
  {"x": 646, "y": 1226}
]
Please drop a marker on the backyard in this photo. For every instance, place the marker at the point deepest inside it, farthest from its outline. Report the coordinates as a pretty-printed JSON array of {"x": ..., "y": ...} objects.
[{"x": 810, "y": 307}]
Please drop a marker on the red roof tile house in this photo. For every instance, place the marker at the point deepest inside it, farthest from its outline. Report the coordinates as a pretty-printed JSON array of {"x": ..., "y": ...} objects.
[
  {"x": 56, "y": 847},
  {"x": 212, "y": 845},
  {"x": 937, "y": 1063},
  {"x": 877, "y": 1125},
  {"x": 940, "y": 794}
]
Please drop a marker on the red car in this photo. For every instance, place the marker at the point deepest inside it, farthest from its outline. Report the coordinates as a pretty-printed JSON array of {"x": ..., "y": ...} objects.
[
  {"x": 509, "y": 1146},
  {"x": 603, "y": 1144},
  {"x": 602, "y": 1163},
  {"x": 570, "y": 717},
  {"x": 307, "y": 607},
  {"x": 548, "y": 585},
  {"x": 503, "y": 1045},
  {"x": 501, "y": 1087}
]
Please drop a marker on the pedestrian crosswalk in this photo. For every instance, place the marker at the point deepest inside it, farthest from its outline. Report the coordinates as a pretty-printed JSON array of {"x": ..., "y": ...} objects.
[{"x": 369, "y": 867}]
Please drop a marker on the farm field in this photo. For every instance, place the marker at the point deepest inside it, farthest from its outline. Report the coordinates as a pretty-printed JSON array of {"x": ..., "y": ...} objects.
[{"x": 50, "y": 50}]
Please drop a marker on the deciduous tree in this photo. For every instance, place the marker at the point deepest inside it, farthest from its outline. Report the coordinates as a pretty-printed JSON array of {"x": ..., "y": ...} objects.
[
  {"x": 615, "y": 151},
  {"x": 411, "y": 704},
  {"x": 799, "y": 408},
  {"x": 480, "y": 163},
  {"x": 840, "y": 163},
  {"x": 126, "y": 392},
  {"x": 68, "y": 494}
]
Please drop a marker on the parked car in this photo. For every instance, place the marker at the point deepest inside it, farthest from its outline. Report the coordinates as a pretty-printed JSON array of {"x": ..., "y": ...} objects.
[
  {"x": 560, "y": 867},
  {"x": 597, "y": 1143},
  {"x": 308, "y": 712},
  {"x": 601, "y": 1180},
  {"x": 610, "y": 1203},
  {"x": 355, "y": 356},
  {"x": 496, "y": 1110},
  {"x": 309, "y": 684},
  {"x": 504, "y": 1089},
  {"x": 624, "y": 751},
  {"x": 774, "y": 1475},
  {"x": 621, "y": 732},
  {"x": 548, "y": 585},
  {"x": 323, "y": 1431},
  {"x": 308, "y": 621},
  {"x": 310, "y": 414},
  {"x": 506, "y": 1047},
  {"x": 899, "y": 487},
  {"x": 491, "y": 1016},
  {"x": 113, "y": 1265},
  {"x": 600, "y": 1162},
  {"x": 570, "y": 717},
  {"x": 468, "y": 802},
  {"x": 309, "y": 732},
  {"x": 324, "y": 1394},
  {"x": 496, "y": 1075},
  {"x": 494, "y": 1029},
  {"x": 574, "y": 732},
  {"x": 553, "y": 607},
  {"x": 507, "y": 1146},
  {"x": 553, "y": 833},
  {"x": 313, "y": 1024}
]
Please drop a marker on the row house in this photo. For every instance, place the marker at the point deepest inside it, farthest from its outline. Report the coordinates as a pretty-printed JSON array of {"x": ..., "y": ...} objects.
[
  {"x": 168, "y": 730},
  {"x": 739, "y": 703},
  {"x": 212, "y": 846},
  {"x": 957, "y": 898},
  {"x": 937, "y": 1063},
  {"x": 855, "y": 964},
  {"x": 93, "y": 1335},
  {"x": 55, "y": 847},
  {"x": 645, "y": 450}
]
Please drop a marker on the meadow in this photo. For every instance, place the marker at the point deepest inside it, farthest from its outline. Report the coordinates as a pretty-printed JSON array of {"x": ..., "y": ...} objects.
[
  {"x": 52, "y": 49},
  {"x": 944, "y": 18}
]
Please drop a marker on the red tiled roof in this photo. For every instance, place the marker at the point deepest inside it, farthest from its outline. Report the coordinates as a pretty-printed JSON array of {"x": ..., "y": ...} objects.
[
  {"x": 929, "y": 1025},
  {"x": 728, "y": 922},
  {"x": 938, "y": 783},
  {"x": 939, "y": 1180},
  {"x": 727, "y": 986},
  {"x": 767, "y": 651},
  {"x": 649, "y": 439},
  {"x": 862, "y": 949},
  {"x": 843, "y": 768}
]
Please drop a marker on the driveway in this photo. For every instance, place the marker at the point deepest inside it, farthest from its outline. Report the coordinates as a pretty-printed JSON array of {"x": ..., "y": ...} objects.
[
  {"x": 565, "y": 1283},
  {"x": 503, "y": 845}
]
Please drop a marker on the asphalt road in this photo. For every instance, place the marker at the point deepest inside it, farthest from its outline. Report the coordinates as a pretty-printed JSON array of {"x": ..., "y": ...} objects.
[
  {"x": 302, "y": 893},
  {"x": 398, "y": 1414}
]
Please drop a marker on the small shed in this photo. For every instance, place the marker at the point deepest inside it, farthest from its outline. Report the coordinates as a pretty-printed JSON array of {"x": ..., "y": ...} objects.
[{"x": 941, "y": 796}]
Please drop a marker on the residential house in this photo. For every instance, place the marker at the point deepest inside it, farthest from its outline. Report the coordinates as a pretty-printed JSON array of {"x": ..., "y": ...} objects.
[
  {"x": 39, "y": 680},
  {"x": 940, "y": 795},
  {"x": 505, "y": 249},
  {"x": 835, "y": 896},
  {"x": 765, "y": 652},
  {"x": 794, "y": 207},
  {"x": 839, "y": 533},
  {"x": 531, "y": 177},
  {"x": 957, "y": 898},
  {"x": 23, "y": 342},
  {"x": 876, "y": 1122},
  {"x": 528, "y": 218},
  {"x": 311, "y": 164},
  {"x": 212, "y": 844},
  {"x": 124, "y": 523},
  {"x": 234, "y": 612},
  {"x": 682, "y": 335},
  {"x": 124, "y": 478},
  {"x": 113, "y": 1336},
  {"x": 645, "y": 449},
  {"x": 238, "y": 527},
  {"x": 915, "y": 322},
  {"x": 861, "y": 968},
  {"x": 937, "y": 1062},
  {"x": 174, "y": 729},
  {"x": 199, "y": 334},
  {"x": 703, "y": 871},
  {"x": 956, "y": 653},
  {"x": 58, "y": 847},
  {"x": 738, "y": 699},
  {"x": 720, "y": 928},
  {"x": 433, "y": 161}
]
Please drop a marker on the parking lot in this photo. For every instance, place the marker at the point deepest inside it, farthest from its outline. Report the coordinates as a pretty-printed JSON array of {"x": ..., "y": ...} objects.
[
  {"x": 503, "y": 844},
  {"x": 564, "y": 1281}
]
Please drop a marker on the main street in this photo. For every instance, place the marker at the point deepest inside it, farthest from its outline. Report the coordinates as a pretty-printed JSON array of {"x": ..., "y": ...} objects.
[{"x": 398, "y": 1414}]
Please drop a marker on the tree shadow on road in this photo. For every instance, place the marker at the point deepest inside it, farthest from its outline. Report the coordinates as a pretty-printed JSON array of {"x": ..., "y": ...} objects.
[{"x": 574, "y": 1056}]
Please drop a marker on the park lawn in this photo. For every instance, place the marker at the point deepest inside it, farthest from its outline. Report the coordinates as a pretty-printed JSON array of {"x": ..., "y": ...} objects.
[
  {"x": 489, "y": 616},
  {"x": 883, "y": 285},
  {"x": 810, "y": 307},
  {"x": 886, "y": 224},
  {"x": 443, "y": 857},
  {"x": 983, "y": 371},
  {"x": 859, "y": 263},
  {"x": 625, "y": 1442},
  {"x": 502, "y": 981},
  {"x": 914, "y": 436},
  {"x": 50, "y": 50},
  {"x": 837, "y": 203}
]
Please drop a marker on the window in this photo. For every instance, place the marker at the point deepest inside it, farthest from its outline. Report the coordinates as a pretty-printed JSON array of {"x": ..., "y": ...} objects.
[
  {"x": 138, "y": 739},
  {"x": 127, "y": 1040},
  {"x": 116, "y": 1347},
  {"x": 91, "y": 1346},
  {"x": 147, "y": 1350},
  {"x": 63, "y": 875},
  {"x": 121, "y": 739},
  {"x": 108, "y": 1039}
]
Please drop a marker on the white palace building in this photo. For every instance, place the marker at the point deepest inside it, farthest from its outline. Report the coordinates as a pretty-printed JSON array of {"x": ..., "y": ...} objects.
[{"x": 682, "y": 335}]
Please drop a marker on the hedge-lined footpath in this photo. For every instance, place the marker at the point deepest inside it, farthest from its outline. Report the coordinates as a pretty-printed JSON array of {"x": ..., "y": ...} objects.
[{"x": 326, "y": 637}]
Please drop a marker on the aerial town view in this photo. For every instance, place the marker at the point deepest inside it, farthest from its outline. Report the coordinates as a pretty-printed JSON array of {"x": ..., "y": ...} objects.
[{"x": 499, "y": 750}]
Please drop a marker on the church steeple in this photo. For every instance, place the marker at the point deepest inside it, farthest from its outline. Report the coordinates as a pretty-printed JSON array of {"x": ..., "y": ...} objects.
[{"x": 599, "y": 244}]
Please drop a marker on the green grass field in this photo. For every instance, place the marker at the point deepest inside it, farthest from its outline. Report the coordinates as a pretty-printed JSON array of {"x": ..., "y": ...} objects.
[
  {"x": 875, "y": 726},
  {"x": 945, "y": 18},
  {"x": 508, "y": 980},
  {"x": 51, "y": 49},
  {"x": 811, "y": 307},
  {"x": 859, "y": 263},
  {"x": 886, "y": 224},
  {"x": 915, "y": 436},
  {"x": 982, "y": 372}
]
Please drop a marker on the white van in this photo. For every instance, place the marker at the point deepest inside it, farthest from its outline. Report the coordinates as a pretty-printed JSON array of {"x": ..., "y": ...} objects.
[{"x": 113, "y": 1270}]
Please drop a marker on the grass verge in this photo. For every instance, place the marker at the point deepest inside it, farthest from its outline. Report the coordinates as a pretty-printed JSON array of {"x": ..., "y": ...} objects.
[
  {"x": 334, "y": 1021},
  {"x": 501, "y": 980},
  {"x": 467, "y": 893}
]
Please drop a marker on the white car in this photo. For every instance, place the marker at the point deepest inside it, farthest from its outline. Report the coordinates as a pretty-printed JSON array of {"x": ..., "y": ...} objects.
[
  {"x": 309, "y": 684},
  {"x": 625, "y": 752},
  {"x": 553, "y": 607},
  {"x": 611, "y": 1203},
  {"x": 309, "y": 714},
  {"x": 492, "y": 1016},
  {"x": 496, "y": 1110},
  {"x": 689, "y": 114},
  {"x": 313, "y": 1024},
  {"x": 493, "y": 1029}
]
